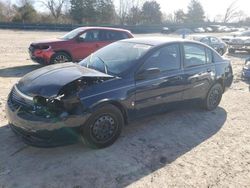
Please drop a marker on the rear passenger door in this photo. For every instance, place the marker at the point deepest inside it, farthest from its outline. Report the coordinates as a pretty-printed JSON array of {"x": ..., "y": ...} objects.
[
  {"x": 199, "y": 70},
  {"x": 165, "y": 87}
]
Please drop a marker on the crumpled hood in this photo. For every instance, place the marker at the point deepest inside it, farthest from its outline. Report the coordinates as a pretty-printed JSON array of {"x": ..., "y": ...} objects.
[
  {"x": 48, "y": 42},
  {"x": 49, "y": 80}
]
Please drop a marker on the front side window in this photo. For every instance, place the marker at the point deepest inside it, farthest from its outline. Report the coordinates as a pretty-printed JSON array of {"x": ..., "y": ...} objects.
[
  {"x": 72, "y": 34},
  {"x": 90, "y": 36},
  {"x": 194, "y": 55},
  {"x": 167, "y": 58}
]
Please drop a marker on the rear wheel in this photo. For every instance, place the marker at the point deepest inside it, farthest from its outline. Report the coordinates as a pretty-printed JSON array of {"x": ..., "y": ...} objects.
[
  {"x": 60, "y": 57},
  {"x": 214, "y": 96},
  {"x": 103, "y": 127}
]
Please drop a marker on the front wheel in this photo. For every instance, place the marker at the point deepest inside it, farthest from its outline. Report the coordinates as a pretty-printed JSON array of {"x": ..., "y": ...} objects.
[
  {"x": 214, "y": 96},
  {"x": 103, "y": 127},
  {"x": 60, "y": 57}
]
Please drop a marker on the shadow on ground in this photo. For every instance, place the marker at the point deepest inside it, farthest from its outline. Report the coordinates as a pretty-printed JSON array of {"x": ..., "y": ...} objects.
[
  {"x": 144, "y": 147},
  {"x": 18, "y": 71}
]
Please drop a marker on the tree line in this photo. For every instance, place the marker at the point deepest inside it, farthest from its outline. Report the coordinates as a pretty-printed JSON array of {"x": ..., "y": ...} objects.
[{"x": 127, "y": 12}]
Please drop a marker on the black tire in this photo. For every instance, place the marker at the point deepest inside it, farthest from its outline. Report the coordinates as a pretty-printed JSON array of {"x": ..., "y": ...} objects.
[
  {"x": 103, "y": 127},
  {"x": 213, "y": 97},
  {"x": 60, "y": 57},
  {"x": 231, "y": 51}
]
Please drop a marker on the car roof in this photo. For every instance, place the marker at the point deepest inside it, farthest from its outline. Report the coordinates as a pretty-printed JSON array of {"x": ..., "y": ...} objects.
[
  {"x": 156, "y": 41},
  {"x": 104, "y": 28}
]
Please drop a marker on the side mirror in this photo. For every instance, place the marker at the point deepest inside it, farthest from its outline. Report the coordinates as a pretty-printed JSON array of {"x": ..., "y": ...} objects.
[
  {"x": 79, "y": 39},
  {"x": 147, "y": 73}
]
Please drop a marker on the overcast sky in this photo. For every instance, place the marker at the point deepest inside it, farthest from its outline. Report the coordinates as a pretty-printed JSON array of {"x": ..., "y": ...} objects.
[{"x": 211, "y": 7}]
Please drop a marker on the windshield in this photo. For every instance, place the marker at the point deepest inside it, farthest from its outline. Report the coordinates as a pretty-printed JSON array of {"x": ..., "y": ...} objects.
[
  {"x": 72, "y": 34},
  {"x": 116, "y": 57}
]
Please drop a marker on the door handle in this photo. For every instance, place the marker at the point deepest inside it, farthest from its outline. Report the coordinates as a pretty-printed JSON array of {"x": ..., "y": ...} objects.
[{"x": 173, "y": 79}]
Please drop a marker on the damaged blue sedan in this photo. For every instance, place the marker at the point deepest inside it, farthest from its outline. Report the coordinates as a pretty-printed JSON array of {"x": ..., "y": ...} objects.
[{"x": 121, "y": 82}]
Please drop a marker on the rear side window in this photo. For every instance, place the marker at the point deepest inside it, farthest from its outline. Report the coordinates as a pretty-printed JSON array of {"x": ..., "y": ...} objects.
[
  {"x": 112, "y": 35},
  {"x": 194, "y": 55},
  {"x": 167, "y": 58}
]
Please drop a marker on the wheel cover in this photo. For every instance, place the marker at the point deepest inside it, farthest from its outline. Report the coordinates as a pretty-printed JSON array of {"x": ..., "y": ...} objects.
[
  {"x": 61, "y": 59},
  {"x": 104, "y": 128},
  {"x": 214, "y": 98}
]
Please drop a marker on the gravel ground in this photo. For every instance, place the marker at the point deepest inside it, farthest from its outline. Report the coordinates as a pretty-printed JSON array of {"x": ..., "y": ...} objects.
[{"x": 187, "y": 147}]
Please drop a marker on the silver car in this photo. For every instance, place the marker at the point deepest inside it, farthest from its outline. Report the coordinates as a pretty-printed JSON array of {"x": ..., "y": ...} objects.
[{"x": 212, "y": 41}]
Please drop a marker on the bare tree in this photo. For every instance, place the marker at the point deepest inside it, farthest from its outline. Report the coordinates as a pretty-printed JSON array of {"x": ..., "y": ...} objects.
[
  {"x": 125, "y": 6},
  {"x": 123, "y": 10},
  {"x": 55, "y": 7},
  {"x": 6, "y": 11},
  {"x": 179, "y": 16},
  {"x": 231, "y": 12},
  {"x": 241, "y": 16}
]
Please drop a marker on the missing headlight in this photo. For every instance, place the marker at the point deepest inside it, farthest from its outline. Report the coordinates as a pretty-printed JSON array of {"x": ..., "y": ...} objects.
[{"x": 44, "y": 106}]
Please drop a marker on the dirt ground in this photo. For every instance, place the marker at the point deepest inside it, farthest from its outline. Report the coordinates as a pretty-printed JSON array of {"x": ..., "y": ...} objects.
[{"x": 187, "y": 147}]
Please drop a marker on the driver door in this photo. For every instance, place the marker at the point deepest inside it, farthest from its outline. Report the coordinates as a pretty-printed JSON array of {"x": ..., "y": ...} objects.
[
  {"x": 164, "y": 87},
  {"x": 86, "y": 43}
]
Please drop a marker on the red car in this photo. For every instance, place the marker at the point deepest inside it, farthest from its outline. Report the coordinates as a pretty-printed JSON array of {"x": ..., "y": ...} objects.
[{"x": 75, "y": 45}]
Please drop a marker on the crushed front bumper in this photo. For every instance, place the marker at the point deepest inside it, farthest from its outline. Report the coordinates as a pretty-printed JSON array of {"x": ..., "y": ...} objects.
[
  {"x": 44, "y": 132},
  {"x": 41, "y": 56}
]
